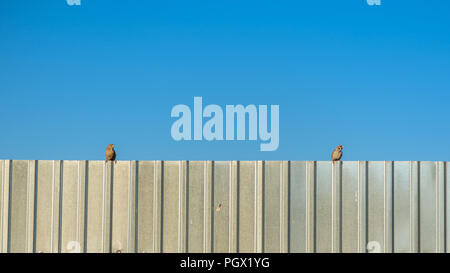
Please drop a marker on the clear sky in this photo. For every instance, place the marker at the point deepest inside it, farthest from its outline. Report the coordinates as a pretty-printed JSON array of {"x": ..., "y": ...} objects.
[{"x": 375, "y": 79}]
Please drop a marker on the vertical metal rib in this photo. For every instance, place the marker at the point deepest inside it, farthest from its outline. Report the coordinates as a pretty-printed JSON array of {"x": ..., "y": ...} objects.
[
  {"x": 385, "y": 195},
  {"x": 440, "y": 207},
  {"x": 437, "y": 207},
  {"x": 230, "y": 209},
  {"x": 104, "y": 207},
  {"x": 204, "y": 204},
  {"x": 259, "y": 213},
  {"x": 307, "y": 206},
  {"x": 179, "y": 207},
  {"x": 130, "y": 205},
  {"x": 27, "y": 209},
  {"x": 53, "y": 206},
  {"x": 30, "y": 206},
  {"x": 419, "y": 205},
  {"x": 155, "y": 205},
  {"x": 411, "y": 208},
  {"x": 255, "y": 224},
  {"x": 333, "y": 181},
  {"x": 281, "y": 208},
  {"x": 360, "y": 209},
  {"x": 77, "y": 235},
  {"x": 2, "y": 203},
  {"x": 445, "y": 189}
]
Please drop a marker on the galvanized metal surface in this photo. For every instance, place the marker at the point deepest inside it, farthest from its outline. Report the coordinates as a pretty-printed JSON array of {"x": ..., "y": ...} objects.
[{"x": 237, "y": 206}]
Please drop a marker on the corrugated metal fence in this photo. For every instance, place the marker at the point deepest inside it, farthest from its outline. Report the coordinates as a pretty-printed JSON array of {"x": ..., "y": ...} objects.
[{"x": 226, "y": 206}]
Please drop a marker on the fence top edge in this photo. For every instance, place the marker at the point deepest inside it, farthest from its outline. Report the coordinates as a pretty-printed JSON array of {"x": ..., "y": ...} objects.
[{"x": 227, "y": 161}]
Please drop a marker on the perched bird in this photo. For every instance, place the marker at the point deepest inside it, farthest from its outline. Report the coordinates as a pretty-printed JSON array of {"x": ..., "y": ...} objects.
[
  {"x": 110, "y": 154},
  {"x": 337, "y": 153}
]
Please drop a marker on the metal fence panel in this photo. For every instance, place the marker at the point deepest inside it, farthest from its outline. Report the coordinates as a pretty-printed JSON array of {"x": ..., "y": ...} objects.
[{"x": 223, "y": 206}]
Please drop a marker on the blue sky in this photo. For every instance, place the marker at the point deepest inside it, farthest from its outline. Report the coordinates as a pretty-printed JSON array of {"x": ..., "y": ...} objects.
[{"x": 375, "y": 79}]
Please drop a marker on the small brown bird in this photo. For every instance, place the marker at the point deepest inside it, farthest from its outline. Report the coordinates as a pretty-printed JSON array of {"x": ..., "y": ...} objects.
[
  {"x": 110, "y": 154},
  {"x": 337, "y": 153}
]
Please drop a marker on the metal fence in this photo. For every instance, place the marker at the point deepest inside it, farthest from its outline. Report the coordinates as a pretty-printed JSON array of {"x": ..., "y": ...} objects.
[{"x": 223, "y": 206}]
